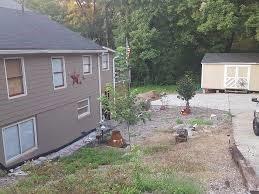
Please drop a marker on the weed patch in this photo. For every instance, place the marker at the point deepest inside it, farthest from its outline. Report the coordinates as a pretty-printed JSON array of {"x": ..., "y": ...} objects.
[
  {"x": 179, "y": 121},
  {"x": 199, "y": 121},
  {"x": 155, "y": 149}
]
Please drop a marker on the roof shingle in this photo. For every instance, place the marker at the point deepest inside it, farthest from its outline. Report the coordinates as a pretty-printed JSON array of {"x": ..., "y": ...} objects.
[
  {"x": 231, "y": 58},
  {"x": 29, "y": 30}
]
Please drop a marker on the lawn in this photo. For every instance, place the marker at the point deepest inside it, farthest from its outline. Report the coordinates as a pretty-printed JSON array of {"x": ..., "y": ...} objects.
[
  {"x": 102, "y": 170},
  {"x": 169, "y": 89}
]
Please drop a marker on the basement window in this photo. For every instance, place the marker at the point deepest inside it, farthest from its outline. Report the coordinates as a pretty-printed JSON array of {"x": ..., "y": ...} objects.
[
  {"x": 19, "y": 138},
  {"x": 83, "y": 108}
]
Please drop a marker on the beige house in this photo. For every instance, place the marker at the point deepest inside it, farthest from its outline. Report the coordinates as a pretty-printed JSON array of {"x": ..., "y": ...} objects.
[{"x": 230, "y": 71}]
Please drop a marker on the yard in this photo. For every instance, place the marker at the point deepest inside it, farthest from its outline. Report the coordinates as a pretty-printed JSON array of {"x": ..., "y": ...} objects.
[
  {"x": 156, "y": 164},
  {"x": 169, "y": 89}
]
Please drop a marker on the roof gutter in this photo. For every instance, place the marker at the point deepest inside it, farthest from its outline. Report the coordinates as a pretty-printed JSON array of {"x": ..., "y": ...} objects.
[
  {"x": 231, "y": 63},
  {"x": 15, "y": 52}
]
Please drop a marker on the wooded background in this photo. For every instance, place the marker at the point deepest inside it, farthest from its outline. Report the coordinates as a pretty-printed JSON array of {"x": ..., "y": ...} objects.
[{"x": 167, "y": 37}]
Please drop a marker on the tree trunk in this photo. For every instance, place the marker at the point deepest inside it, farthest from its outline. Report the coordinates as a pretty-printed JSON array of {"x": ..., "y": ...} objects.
[
  {"x": 128, "y": 127},
  {"x": 230, "y": 43}
]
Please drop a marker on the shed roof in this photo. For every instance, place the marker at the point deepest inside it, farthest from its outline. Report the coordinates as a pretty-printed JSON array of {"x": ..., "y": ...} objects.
[
  {"x": 230, "y": 58},
  {"x": 29, "y": 30}
]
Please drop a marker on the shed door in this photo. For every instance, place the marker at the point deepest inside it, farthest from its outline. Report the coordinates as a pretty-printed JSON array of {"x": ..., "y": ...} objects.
[{"x": 237, "y": 77}]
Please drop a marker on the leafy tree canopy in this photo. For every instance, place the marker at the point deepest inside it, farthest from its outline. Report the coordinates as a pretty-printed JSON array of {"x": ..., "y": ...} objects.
[{"x": 167, "y": 37}]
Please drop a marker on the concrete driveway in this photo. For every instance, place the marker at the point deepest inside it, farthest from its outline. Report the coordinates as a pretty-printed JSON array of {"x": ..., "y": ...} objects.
[{"x": 241, "y": 106}]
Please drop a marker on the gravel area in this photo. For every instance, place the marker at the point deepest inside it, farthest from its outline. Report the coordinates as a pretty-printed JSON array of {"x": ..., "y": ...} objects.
[
  {"x": 241, "y": 107},
  {"x": 166, "y": 120},
  {"x": 205, "y": 158}
]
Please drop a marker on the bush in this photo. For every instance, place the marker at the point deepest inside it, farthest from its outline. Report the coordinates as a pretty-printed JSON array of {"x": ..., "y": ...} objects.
[{"x": 186, "y": 88}]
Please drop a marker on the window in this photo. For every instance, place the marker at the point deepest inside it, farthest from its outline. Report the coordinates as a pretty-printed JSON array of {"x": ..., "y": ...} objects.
[
  {"x": 87, "y": 65},
  {"x": 105, "y": 61},
  {"x": 83, "y": 108},
  {"x": 58, "y": 70},
  {"x": 15, "y": 77},
  {"x": 19, "y": 138}
]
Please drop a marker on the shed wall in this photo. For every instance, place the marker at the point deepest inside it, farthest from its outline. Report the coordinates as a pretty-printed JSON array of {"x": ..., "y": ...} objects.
[
  {"x": 254, "y": 78},
  {"x": 213, "y": 76}
]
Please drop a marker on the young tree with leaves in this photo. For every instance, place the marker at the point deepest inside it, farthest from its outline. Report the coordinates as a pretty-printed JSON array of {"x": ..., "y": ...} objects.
[
  {"x": 124, "y": 108},
  {"x": 186, "y": 89}
]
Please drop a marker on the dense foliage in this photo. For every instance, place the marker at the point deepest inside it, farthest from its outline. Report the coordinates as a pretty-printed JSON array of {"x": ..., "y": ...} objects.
[{"x": 167, "y": 37}]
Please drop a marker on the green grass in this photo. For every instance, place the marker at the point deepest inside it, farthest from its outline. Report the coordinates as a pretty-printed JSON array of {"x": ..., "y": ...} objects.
[
  {"x": 179, "y": 121},
  {"x": 150, "y": 150},
  {"x": 200, "y": 121},
  {"x": 93, "y": 158},
  {"x": 160, "y": 89},
  {"x": 101, "y": 170}
]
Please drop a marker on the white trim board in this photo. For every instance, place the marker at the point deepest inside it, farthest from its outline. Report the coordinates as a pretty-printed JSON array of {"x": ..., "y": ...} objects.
[
  {"x": 230, "y": 63},
  {"x": 12, "y": 52},
  {"x": 109, "y": 49}
]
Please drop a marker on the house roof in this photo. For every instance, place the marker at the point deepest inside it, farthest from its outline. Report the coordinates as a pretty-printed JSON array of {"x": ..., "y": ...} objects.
[
  {"x": 215, "y": 58},
  {"x": 32, "y": 31}
]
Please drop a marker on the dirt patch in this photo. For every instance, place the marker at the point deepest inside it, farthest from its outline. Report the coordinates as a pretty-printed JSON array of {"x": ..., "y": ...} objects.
[{"x": 205, "y": 158}]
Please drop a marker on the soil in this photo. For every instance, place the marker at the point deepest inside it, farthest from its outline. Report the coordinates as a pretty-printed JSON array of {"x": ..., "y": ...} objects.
[{"x": 205, "y": 157}]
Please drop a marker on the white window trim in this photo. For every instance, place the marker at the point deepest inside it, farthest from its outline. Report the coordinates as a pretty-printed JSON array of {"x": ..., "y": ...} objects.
[
  {"x": 86, "y": 113},
  {"x": 64, "y": 72},
  {"x": 108, "y": 68},
  {"x": 23, "y": 77},
  {"x": 28, "y": 151},
  {"x": 91, "y": 64},
  {"x": 238, "y": 65}
]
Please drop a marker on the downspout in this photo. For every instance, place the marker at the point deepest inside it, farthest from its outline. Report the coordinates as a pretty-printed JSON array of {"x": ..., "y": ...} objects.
[
  {"x": 100, "y": 86},
  {"x": 114, "y": 73}
]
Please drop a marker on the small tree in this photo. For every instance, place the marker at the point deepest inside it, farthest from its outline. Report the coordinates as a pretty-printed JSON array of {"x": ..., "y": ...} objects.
[
  {"x": 124, "y": 108},
  {"x": 186, "y": 89}
]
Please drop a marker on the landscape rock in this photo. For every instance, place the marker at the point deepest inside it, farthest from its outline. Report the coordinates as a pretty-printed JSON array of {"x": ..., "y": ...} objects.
[
  {"x": 42, "y": 159},
  {"x": 18, "y": 173},
  {"x": 213, "y": 117},
  {"x": 37, "y": 162},
  {"x": 177, "y": 127}
]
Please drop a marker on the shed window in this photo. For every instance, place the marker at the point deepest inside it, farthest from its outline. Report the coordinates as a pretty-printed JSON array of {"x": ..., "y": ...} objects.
[
  {"x": 87, "y": 65},
  {"x": 105, "y": 61},
  {"x": 58, "y": 70},
  {"x": 15, "y": 77},
  {"x": 83, "y": 108},
  {"x": 19, "y": 138}
]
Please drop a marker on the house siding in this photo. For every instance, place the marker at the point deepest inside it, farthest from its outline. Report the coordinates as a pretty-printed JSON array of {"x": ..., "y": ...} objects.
[
  {"x": 213, "y": 76},
  {"x": 107, "y": 75},
  {"x": 55, "y": 110},
  {"x": 41, "y": 94}
]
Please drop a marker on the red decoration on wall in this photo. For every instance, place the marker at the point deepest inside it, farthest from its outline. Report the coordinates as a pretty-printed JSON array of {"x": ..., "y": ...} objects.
[{"x": 76, "y": 78}]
